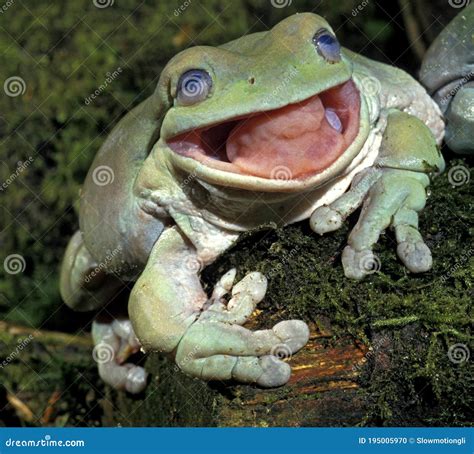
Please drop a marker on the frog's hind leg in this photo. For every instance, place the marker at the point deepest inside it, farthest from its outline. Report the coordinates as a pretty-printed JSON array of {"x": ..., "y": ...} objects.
[
  {"x": 171, "y": 313},
  {"x": 114, "y": 342},
  {"x": 85, "y": 286}
]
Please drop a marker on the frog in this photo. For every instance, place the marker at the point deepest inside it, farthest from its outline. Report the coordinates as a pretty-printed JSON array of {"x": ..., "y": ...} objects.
[
  {"x": 447, "y": 71},
  {"x": 273, "y": 128}
]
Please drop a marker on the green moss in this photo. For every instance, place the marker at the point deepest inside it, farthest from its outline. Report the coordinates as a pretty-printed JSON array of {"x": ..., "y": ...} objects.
[{"x": 421, "y": 315}]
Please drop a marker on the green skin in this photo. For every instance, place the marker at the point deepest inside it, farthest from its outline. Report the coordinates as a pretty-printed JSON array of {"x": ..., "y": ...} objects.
[
  {"x": 448, "y": 74},
  {"x": 165, "y": 216}
]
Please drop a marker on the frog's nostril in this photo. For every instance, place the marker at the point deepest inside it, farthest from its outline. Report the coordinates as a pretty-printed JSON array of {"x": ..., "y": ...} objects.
[{"x": 251, "y": 80}]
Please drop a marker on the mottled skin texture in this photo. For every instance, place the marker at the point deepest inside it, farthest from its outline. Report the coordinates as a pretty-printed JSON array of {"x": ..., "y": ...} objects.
[
  {"x": 165, "y": 216},
  {"x": 448, "y": 74}
]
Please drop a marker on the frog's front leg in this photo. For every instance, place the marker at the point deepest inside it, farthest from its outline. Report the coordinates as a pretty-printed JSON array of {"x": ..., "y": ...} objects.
[
  {"x": 391, "y": 194},
  {"x": 172, "y": 314}
]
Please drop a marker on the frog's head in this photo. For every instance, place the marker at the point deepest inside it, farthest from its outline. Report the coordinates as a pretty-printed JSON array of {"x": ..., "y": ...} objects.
[{"x": 275, "y": 111}]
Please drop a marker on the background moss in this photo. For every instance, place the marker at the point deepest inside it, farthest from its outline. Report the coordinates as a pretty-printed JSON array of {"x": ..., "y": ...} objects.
[{"x": 63, "y": 51}]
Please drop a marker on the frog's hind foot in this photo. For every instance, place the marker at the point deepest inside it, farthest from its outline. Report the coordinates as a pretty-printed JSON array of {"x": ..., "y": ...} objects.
[
  {"x": 216, "y": 347},
  {"x": 114, "y": 343}
]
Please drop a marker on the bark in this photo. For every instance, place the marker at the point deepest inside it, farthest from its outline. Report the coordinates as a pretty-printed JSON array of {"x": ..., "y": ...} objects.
[{"x": 323, "y": 389}]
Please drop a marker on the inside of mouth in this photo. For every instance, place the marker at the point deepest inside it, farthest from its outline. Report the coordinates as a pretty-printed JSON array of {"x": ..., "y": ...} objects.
[{"x": 295, "y": 141}]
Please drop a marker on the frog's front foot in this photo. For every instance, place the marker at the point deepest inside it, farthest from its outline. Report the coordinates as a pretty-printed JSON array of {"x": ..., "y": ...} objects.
[
  {"x": 114, "y": 342},
  {"x": 172, "y": 314},
  {"x": 216, "y": 347},
  {"x": 389, "y": 198}
]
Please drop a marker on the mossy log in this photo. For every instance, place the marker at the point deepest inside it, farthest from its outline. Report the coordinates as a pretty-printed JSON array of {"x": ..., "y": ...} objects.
[
  {"x": 381, "y": 350},
  {"x": 322, "y": 388}
]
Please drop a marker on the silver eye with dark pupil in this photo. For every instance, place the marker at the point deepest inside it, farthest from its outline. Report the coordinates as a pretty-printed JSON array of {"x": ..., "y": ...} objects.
[
  {"x": 193, "y": 87},
  {"x": 327, "y": 46}
]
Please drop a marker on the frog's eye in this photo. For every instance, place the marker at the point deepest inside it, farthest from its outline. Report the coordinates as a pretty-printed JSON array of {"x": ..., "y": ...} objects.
[
  {"x": 193, "y": 87},
  {"x": 327, "y": 46}
]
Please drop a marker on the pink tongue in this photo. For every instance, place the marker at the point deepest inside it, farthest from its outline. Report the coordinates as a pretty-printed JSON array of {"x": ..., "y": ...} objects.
[{"x": 290, "y": 142}]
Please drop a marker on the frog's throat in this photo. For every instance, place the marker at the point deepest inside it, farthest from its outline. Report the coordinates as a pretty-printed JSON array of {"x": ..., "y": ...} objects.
[{"x": 292, "y": 142}]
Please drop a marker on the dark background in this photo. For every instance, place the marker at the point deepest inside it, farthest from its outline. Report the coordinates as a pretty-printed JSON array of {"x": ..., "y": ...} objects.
[{"x": 63, "y": 51}]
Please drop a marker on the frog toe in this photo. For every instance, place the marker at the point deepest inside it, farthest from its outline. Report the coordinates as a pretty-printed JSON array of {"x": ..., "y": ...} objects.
[
  {"x": 325, "y": 219},
  {"x": 114, "y": 342},
  {"x": 275, "y": 372},
  {"x": 358, "y": 264},
  {"x": 416, "y": 256}
]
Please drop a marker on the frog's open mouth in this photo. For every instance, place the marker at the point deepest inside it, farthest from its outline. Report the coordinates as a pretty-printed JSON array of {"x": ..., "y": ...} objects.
[{"x": 294, "y": 141}]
